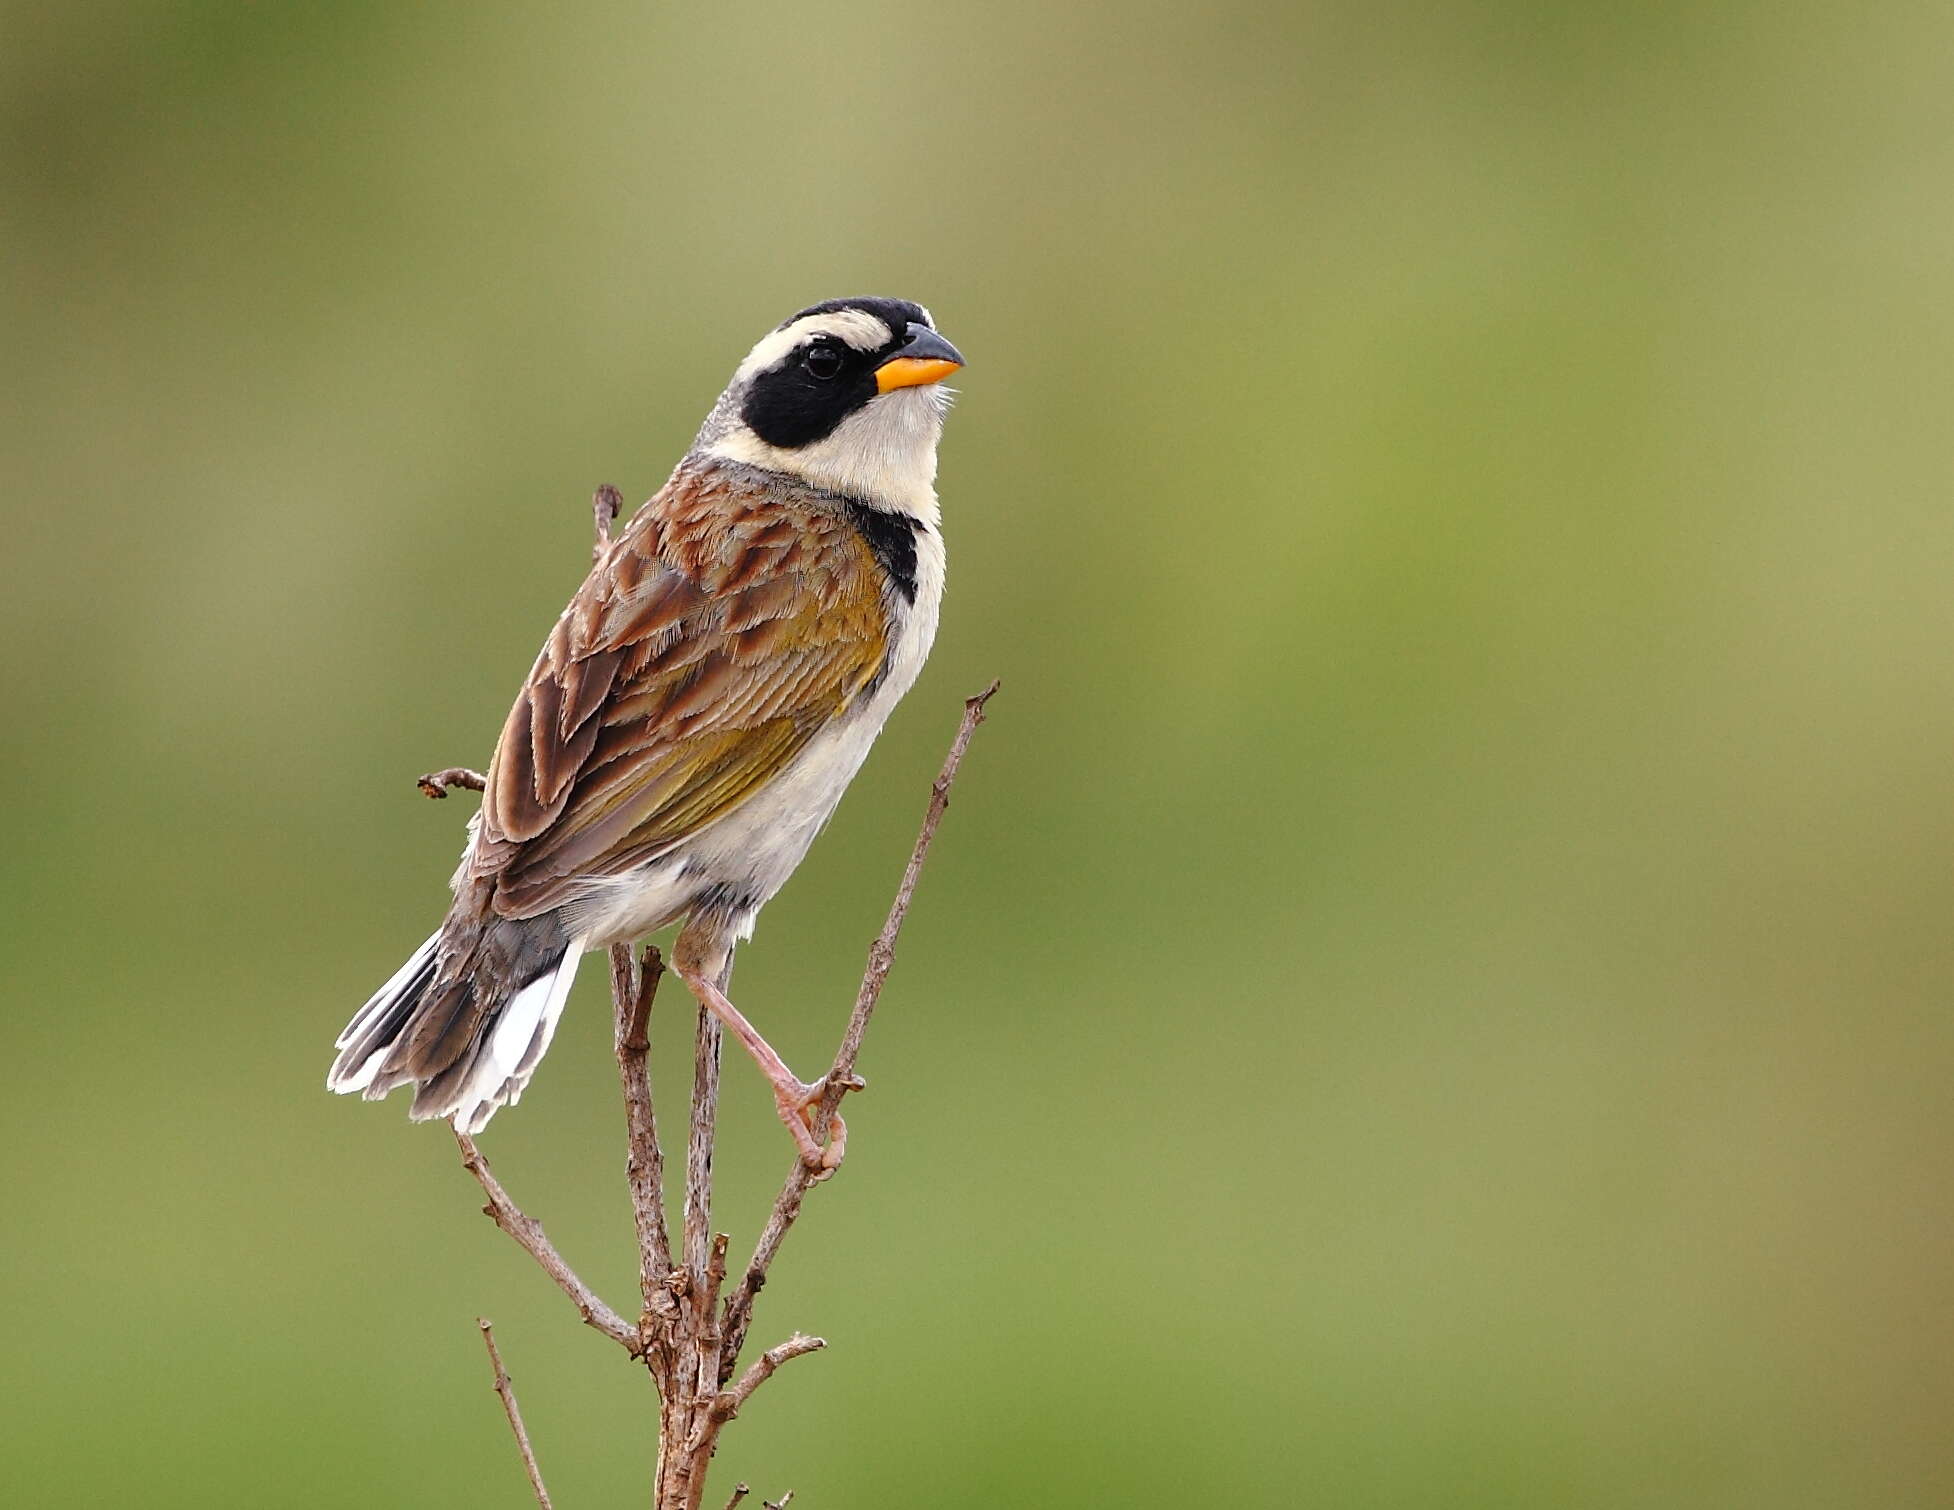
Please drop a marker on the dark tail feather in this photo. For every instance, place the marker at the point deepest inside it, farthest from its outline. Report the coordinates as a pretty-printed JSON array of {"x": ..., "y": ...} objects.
[{"x": 465, "y": 1020}]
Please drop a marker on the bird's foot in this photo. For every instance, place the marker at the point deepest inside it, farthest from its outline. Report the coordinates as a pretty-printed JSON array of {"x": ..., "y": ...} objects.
[{"x": 796, "y": 1102}]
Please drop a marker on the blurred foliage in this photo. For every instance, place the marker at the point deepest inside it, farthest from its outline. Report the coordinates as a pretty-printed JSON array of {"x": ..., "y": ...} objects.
[{"x": 1434, "y": 991}]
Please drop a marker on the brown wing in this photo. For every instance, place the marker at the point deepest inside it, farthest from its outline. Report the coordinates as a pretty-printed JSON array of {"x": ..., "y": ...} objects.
[{"x": 714, "y": 639}]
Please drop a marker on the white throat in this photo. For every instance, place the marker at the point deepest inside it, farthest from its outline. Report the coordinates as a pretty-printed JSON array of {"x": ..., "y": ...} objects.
[{"x": 883, "y": 454}]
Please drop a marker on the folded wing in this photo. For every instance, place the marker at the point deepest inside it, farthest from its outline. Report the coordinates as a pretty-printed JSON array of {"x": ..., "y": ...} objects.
[{"x": 713, "y": 641}]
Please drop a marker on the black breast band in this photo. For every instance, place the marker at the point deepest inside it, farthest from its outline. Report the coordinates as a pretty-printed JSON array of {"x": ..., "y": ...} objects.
[{"x": 892, "y": 537}]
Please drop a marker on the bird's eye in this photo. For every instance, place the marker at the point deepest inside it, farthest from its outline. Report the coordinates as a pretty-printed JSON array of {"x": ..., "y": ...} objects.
[{"x": 823, "y": 362}]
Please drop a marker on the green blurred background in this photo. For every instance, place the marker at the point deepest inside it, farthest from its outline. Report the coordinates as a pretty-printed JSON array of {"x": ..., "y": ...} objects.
[{"x": 1434, "y": 989}]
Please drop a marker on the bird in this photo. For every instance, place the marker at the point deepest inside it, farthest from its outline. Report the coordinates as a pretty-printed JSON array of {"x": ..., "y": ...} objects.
[{"x": 693, "y": 717}]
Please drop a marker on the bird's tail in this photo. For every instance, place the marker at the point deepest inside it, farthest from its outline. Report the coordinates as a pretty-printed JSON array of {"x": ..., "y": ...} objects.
[{"x": 465, "y": 1020}]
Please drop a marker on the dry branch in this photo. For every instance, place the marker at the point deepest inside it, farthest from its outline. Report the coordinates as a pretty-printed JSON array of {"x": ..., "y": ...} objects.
[
  {"x": 505, "y": 1387},
  {"x": 633, "y": 988},
  {"x": 528, "y": 1232},
  {"x": 762, "y": 1369},
  {"x": 841, "y": 1074},
  {"x": 699, "y": 1140}
]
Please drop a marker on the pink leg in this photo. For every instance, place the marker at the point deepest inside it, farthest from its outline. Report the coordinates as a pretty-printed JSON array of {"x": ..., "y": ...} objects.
[{"x": 793, "y": 1097}]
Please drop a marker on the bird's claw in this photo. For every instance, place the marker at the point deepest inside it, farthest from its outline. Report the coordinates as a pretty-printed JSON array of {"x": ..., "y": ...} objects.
[{"x": 797, "y": 1106}]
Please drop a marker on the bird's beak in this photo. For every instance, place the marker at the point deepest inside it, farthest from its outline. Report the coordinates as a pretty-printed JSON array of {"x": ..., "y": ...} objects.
[{"x": 924, "y": 358}]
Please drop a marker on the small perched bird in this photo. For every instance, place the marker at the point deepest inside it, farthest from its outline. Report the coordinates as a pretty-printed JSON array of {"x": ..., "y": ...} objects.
[{"x": 694, "y": 717}]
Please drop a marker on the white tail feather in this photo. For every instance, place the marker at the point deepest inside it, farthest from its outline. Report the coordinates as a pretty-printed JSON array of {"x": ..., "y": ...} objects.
[
  {"x": 517, "y": 1042},
  {"x": 355, "y": 1067}
]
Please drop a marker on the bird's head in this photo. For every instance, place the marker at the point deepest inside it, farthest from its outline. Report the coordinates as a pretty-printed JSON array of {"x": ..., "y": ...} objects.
[{"x": 846, "y": 395}]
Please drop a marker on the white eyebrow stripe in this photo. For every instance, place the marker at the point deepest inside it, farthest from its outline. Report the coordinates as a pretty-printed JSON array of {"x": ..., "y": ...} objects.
[{"x": 858, "y": 328}]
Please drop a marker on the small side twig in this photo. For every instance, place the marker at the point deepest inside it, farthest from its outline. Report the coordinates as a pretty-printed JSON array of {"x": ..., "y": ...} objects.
[
  {"x": 505, "y": 1387},
  {"x": 605, "y": 504},
  {"x": 841, "y": 1075},
  {"x": 529, "y": 1235},
  {"x": 740, "y": 1492},
  {"x": 436, "y": 783},
  {"x": 729, "y": 1401}
]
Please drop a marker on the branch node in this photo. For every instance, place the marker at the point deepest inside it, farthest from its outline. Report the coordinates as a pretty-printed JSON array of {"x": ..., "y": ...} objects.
[{"x": 715, "y": 1274}]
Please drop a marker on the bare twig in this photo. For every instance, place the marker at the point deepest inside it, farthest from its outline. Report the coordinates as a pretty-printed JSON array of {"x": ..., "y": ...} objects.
[
  {"x": 781, "y": 1504},
  {"x": 699, "y": 1141},
  {"x": 436, "y": 783},
  {"x": 506, "y": 1388},
  {"x": 729, "y": 1401},
  {"x": 632, "y": 991},
  {"x": 529, "y": 1234},
  {"x": 740, "y": 1492},
  {"x": 604, "y": 504},
  {"x": 841, "y": 1075}
]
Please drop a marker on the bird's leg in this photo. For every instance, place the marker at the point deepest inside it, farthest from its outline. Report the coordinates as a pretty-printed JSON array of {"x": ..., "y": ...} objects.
[{"x": 793, "y": 1097}]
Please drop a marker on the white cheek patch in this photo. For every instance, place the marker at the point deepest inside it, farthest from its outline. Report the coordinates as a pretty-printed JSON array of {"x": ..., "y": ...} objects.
[
  {"x": 884, "y": 455},
  {"x": 858, "y": 328}
]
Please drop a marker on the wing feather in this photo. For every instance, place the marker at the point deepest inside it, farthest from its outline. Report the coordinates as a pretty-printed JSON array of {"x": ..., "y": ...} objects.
[{"x": 720, "y": 633}]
